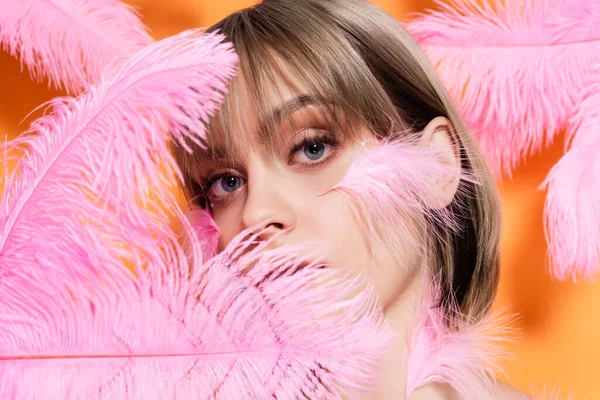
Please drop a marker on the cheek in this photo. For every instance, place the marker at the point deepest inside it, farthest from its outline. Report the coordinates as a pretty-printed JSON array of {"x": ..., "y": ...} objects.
[{"x": 350, "y": 248}]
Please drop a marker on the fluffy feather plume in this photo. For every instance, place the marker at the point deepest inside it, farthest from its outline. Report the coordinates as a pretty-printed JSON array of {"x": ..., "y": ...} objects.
[
  {"x": 70, "y": 41},
  {"x": 77, "y": 323},
  {"x": 461, "y": 353},
  {"x": 399, "y": 183},
  {"x": 572, "y": 209},
  {"x": 94, "y": 155},
  {"x": 69, "y": 212},
  {"x": 515, "y": 68},
  {"x": 521, "y": 72},
  {"x": 247, "y": 324},
  {"x": 396, "y": 186}
]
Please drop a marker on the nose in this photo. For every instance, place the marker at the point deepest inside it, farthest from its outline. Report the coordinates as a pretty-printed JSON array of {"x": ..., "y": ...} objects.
[{"x": 270, "y": 204}]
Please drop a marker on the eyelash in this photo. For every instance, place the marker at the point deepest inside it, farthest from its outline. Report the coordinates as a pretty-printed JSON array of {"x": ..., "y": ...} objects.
[{"x": 322, "y": 136}]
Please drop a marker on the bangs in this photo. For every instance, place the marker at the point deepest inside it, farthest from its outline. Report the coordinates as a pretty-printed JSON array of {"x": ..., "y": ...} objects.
[
  {"x": 274, "y": 51},
  {"x": 263, "y": 76}
]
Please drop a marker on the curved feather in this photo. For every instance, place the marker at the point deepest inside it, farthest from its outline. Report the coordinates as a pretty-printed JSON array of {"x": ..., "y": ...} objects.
[
  {"x": 398, "y": 183},
  {"x": 70, "y": 41},
  {"x": 77, "y": 323},
  {"x": 572, "y": 208},
  {"x": 94, "y": 155},
  {"x": 515, "y": 68}
]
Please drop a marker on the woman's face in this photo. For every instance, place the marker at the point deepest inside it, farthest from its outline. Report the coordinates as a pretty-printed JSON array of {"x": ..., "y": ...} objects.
[{"x": 282, "y": 190}]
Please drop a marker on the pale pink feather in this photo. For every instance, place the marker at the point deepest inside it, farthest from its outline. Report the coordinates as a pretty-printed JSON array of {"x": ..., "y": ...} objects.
[
  {"x": 572, "y": 209},
  {"x": 397, "y": 186},
  {"x": 462, "y": 353},
  {"x": 393, "y": 185},
  {"x": 70, "y": 41},
  {"x": 515, "y": 68}
]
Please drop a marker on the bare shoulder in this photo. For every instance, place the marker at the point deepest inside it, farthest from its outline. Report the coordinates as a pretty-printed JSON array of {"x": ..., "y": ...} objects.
[
  {"x": 435, "y": 391},
  {"x": 508, "y": 392},
  {"x": 438, "y": 391}
]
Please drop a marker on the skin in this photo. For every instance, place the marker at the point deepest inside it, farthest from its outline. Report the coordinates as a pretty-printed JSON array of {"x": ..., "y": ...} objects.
[{"x": 282, "y": 192}]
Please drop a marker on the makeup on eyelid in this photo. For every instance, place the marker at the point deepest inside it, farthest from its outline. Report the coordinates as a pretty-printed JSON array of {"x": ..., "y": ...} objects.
[
  {"x": 313, "y": 145},
  {"x": 312, "y": 141}
]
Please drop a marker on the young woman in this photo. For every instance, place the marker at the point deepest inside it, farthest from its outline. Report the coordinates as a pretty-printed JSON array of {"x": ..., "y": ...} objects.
[{"x": 319, "y": 82}]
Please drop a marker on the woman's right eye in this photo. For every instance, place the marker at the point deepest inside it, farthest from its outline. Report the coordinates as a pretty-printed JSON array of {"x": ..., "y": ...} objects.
[{"x": 225, "y": 185}]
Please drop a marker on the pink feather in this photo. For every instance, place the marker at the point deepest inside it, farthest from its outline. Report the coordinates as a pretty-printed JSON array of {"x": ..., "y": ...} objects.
[
  {"x": 206, "y": 231},
  {"x": 397, "y": 184},
  {"x": 393, "y": 184},
  {"x": 70, "y": 41},
  {"x": 223, "y": 332},
  {"x": 465, "y": 356},
  {"x": 77, "y": 323},
  {"x": 572, "y": 209},
  {"x": 515, "y": 68},
  {"x": 95, "y": 154}
]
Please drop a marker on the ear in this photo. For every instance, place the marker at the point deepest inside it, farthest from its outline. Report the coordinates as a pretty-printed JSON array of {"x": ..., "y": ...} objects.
[{"x": 440, "y": 133}]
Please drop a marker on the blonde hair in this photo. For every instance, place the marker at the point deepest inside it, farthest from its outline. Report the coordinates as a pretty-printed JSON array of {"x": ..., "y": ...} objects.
[{"x": 353, "y": 55}]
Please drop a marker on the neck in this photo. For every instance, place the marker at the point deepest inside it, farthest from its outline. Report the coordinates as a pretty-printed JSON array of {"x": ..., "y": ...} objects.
[{"x": 400, "y": 313}]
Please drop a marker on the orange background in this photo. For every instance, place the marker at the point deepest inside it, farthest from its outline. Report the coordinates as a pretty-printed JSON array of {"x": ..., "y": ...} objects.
[{"x": 560, "y": 346}]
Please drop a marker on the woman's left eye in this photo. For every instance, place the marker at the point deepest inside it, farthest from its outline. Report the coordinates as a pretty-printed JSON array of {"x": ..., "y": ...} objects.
[{"x": 311, "y": 152}]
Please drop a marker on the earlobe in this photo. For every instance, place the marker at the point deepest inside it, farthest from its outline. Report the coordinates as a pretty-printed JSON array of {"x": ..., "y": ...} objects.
[{"x": 439, "y": 134}]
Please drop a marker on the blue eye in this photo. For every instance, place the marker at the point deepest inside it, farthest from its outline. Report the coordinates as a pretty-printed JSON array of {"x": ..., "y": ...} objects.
[
  {"x": 225, "y": 185},
  {"x": 314, "y": 151},
  {"x": 310, "y": 152},
  {"x": 231, "y": 183}
]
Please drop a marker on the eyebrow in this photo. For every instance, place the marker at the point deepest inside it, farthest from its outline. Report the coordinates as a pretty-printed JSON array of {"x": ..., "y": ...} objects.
[
  {"x": 288, "y": 107},
  {"x": 275, "y": 116}
]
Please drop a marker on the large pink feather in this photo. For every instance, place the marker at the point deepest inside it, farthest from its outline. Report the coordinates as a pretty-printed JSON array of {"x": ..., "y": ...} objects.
[
  {"x": 515, "y": 68},
  {"x": 76, "y": 323},
  {"x": 70, "y": 41},
  {"x": 110, "y": 145},
  {"x": 283, "y": 328},
  {"x": 572, "y": 209}
]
